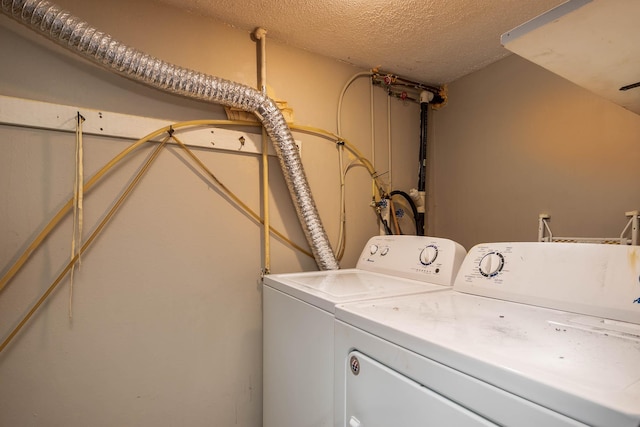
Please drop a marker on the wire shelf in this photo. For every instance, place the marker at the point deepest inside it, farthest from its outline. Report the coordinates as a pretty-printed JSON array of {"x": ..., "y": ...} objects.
[{"x": 629, "y": 235}]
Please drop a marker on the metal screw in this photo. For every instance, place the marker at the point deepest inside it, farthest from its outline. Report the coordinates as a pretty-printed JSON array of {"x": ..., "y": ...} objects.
[{"x": 355, "y": 365}]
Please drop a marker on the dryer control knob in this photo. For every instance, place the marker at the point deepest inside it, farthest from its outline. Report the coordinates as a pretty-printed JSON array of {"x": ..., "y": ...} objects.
[
  {"x": 491, "y": 264},
  {"x": 428, "y": 255},
  {"x": 373, "y": 249}
]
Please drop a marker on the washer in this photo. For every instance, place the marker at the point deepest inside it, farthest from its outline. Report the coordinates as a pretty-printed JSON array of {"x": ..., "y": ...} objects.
[
  {"x": 299, "y": 319},
  {"x": 532, "y": 334}
]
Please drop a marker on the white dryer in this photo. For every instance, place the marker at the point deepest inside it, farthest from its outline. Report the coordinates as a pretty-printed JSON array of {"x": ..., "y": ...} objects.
[
  {"x": 532, "y": 334},
  {"x": 299, "y": 319}
]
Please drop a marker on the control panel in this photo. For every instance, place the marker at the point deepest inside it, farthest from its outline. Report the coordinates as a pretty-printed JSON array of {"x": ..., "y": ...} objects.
[
  {"x": 428, "y": 259},
  {"x": 596, "y": 279}
]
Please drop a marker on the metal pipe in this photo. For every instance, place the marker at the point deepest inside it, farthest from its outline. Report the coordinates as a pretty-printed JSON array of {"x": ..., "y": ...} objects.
[
  {"x": 261, "y": 36},
  {"x": 78, "y": 36},
  {"x": 425, "y": 98},
  {"x": 389, "y": 145}
]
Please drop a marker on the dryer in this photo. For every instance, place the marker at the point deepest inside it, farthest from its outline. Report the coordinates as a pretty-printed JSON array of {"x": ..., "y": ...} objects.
[
  {"x": 298, "y": 319},
  {"x": 532, "y": 334}
]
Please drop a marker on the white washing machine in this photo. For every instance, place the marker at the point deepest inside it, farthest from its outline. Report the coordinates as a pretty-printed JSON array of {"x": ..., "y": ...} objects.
[
  {"x": 299, "y": 319},
  {"x": 532, "y": 334}
]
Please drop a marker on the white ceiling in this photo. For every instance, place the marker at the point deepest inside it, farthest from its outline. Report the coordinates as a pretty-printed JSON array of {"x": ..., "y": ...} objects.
[{"x": 431, "y": 41}]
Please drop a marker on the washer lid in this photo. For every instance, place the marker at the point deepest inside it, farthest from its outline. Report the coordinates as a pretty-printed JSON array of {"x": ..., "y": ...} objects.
[
  {"x": 325, "y": 289},
  {"x": 581, "y": 366}
]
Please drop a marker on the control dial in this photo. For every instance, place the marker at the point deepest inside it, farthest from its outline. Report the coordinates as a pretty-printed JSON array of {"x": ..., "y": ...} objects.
[
  {"x": 373, "y": 249},
  {"x": 491, "y": 264},
  {"x": 428, "y": 255}
]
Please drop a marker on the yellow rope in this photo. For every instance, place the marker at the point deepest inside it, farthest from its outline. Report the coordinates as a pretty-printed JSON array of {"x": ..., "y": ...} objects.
[
  {"x": 86, "y": 245},
  {"x": 81, "y": 189},
  {"x": 236, "y": 199},
  {"x": 78, "y": 200},
  {"x": 126, "y": 152},
  {"x": 95, "y": 179}
]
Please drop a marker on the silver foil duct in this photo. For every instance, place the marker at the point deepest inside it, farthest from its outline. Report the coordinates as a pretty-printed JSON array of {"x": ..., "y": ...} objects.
[{"x": 78, "y": 36}]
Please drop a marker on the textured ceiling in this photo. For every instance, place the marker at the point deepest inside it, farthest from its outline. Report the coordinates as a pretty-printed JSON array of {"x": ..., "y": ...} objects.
[{"x": 431, "y": 41}]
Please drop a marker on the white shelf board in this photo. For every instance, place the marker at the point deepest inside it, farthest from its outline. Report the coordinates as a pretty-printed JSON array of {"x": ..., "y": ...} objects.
[
  {"x": 593, "y": 43},
  {"x": 44, "y": 115}
]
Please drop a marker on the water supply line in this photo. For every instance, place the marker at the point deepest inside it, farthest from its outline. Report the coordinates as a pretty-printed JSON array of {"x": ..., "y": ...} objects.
[
  {"x": 341, "y": 245},
  {"x": 427, "y": 96},
  {"x": 78, "y": 36}
]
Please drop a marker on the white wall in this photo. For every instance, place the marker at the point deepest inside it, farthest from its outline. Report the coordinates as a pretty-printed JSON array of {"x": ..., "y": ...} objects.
[
  {"x": 166, "y": 326},
  {"x": 516, "y": 140}
]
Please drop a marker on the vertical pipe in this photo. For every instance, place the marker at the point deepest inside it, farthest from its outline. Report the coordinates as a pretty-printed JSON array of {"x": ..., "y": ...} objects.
[
  {"x": 265, "y": 202},
  {"x": 373, "y": 126},
  {"x": 425, "y": 98},
  {"x": 390, "y": 188},
  {"x": 261, "y": 35}
]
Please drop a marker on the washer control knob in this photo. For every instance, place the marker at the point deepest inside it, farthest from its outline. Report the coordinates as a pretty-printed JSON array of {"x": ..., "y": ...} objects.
[
  {"x": 428, "y": 255},
  {"x": 384, "y": 251},
  {"x": 491, "y": 264},
  {"x": 373, "y": 249}
]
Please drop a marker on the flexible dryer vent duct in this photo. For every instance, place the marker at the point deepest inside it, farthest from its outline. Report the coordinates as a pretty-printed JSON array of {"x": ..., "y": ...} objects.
[{"x": 74, "y": 34}]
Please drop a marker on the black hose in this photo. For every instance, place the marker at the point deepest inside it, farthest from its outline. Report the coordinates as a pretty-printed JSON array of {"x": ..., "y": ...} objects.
[{"x": 414, "y": 209}]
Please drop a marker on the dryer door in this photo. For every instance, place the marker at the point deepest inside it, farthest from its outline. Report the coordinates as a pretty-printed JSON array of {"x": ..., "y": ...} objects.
[{"x": 377, "y": 396}]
